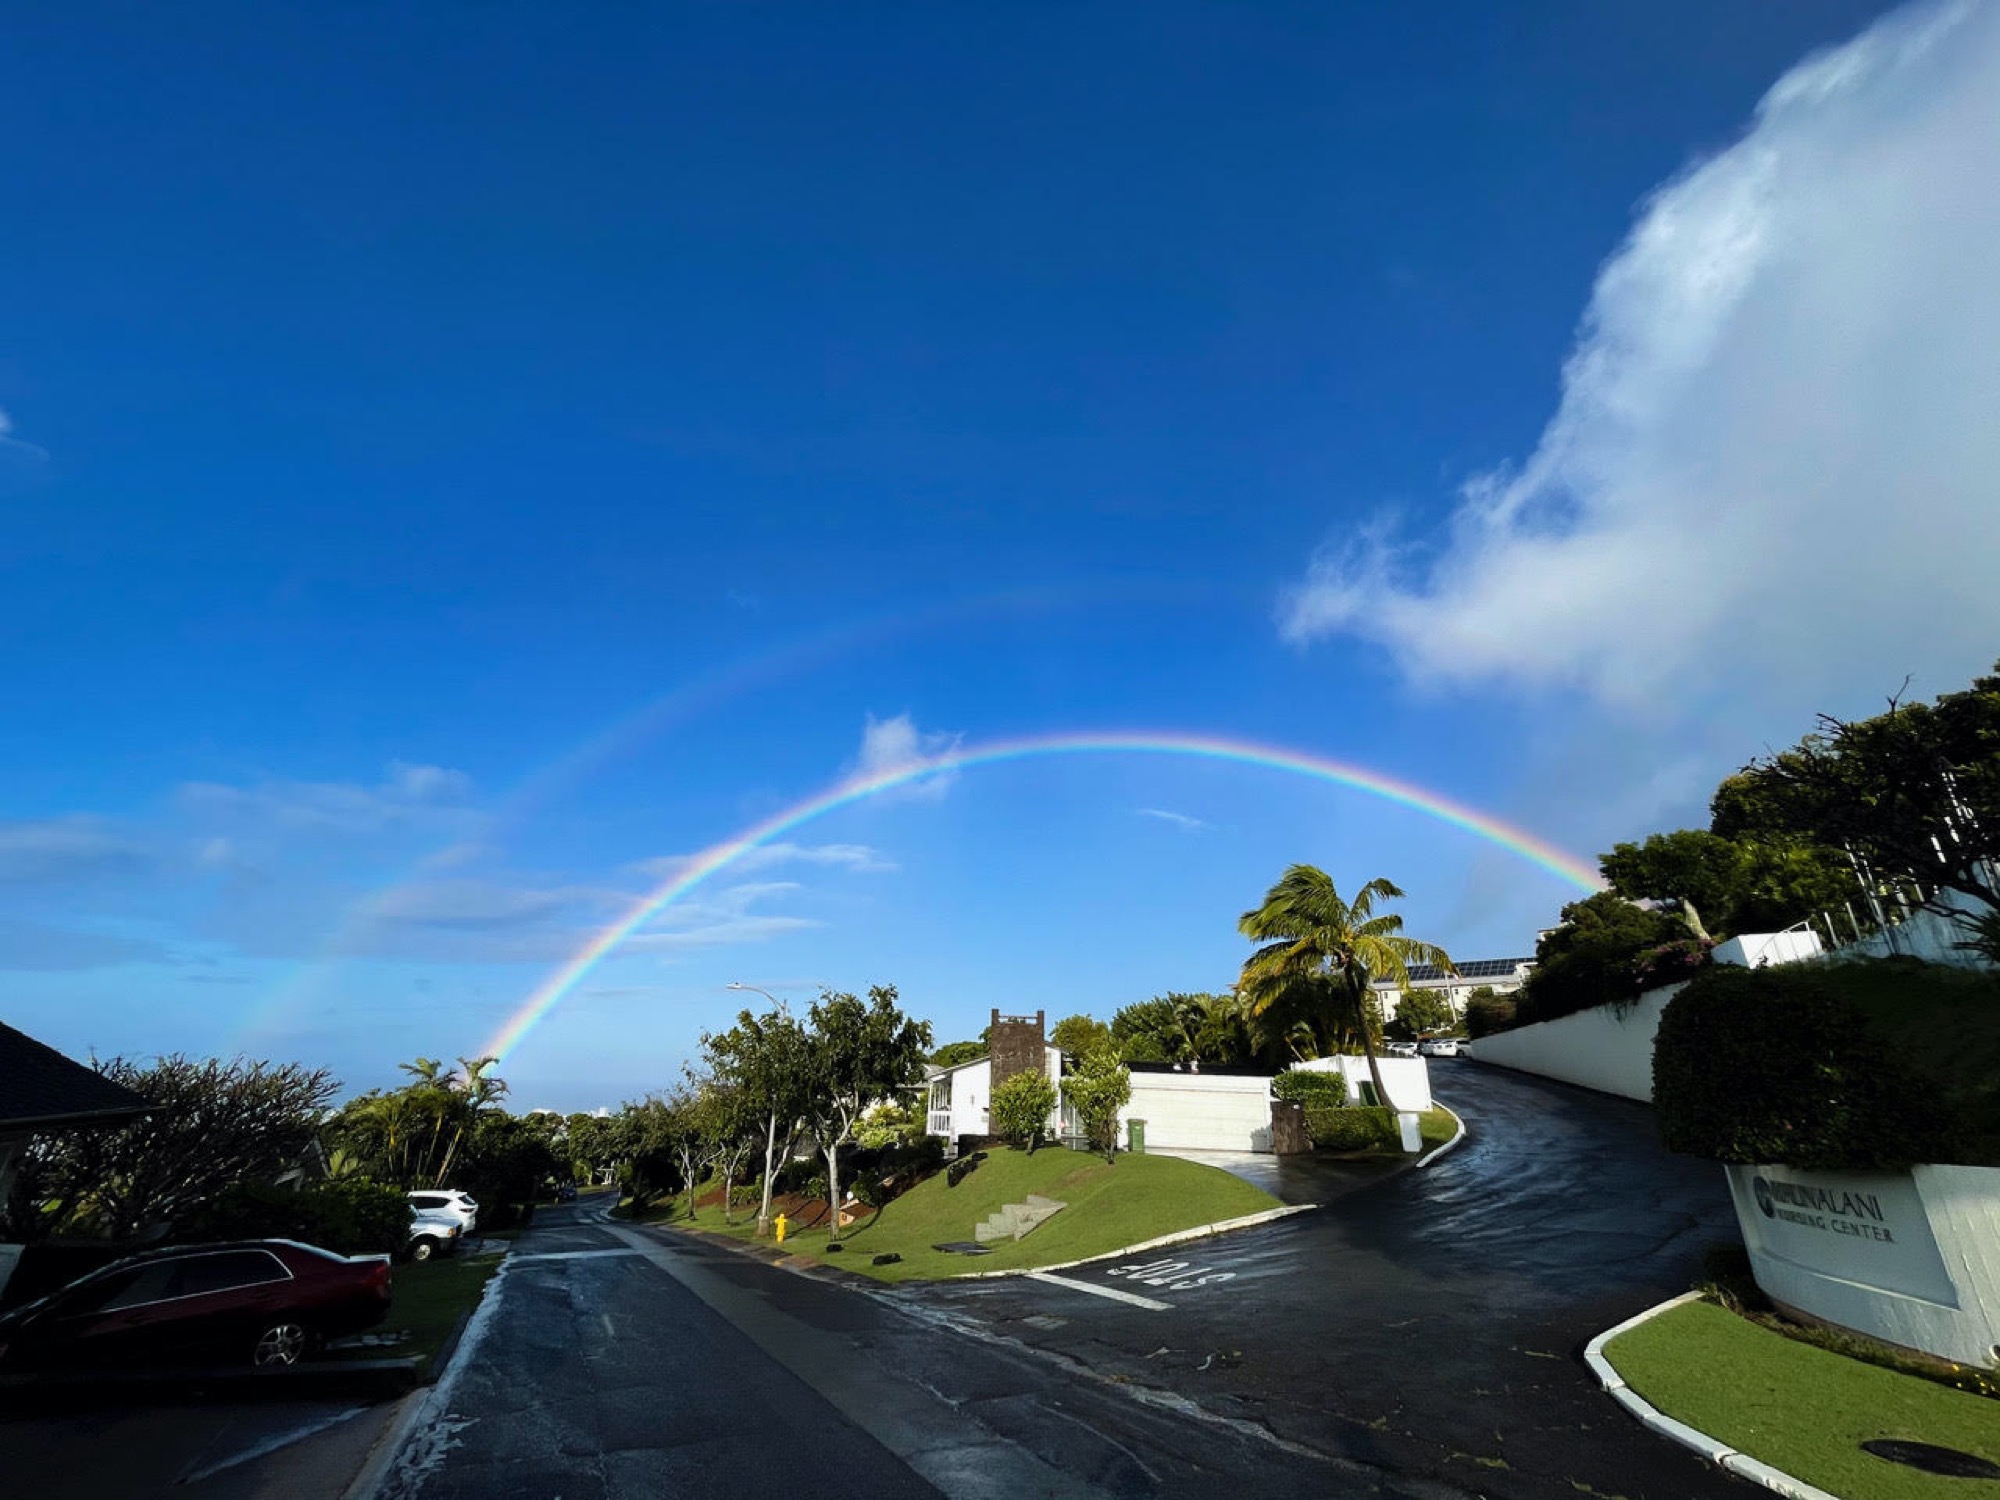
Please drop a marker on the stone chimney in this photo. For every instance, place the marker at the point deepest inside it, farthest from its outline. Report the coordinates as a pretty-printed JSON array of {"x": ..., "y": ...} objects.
[{"x": 1016, "y": 1045}]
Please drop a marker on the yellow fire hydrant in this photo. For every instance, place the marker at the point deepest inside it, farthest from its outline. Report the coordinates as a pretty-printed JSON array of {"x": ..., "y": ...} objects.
[{"x": 779, "y": 1222}]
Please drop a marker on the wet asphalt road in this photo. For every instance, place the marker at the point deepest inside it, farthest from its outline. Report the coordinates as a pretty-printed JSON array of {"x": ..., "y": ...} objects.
[
  {"x": 619, "y": 1362},
  {"x": 1426, "y": 1328}
]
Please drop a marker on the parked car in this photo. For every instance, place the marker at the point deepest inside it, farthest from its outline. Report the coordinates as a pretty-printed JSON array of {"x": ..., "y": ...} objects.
[
  {"x": 1399, "y": 1049},
  {"x": 432, "y": 1233},
  {"x": 566, "y": 1193},
  {"x": 1439, "y": 1046},
  {"x": 448, "y": 1201},
  {"x": 264, "y": 1303}
]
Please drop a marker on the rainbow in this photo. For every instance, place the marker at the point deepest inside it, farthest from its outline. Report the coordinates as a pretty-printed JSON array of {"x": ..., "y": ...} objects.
[{"x": 550, "y": 993}]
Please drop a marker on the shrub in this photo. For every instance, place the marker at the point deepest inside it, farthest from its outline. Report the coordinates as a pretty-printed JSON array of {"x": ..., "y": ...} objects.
[
  {"x": 955, "y": 1173},
  {"x": 1355, "y": 1128},
  {"x": 1775, "y": 1065},
  {"x": 1313, "y": 1090},
  {"x": 1021, "y": 1108},
  {"x": 1488, "y": 1013},
  {"x": 888, "y": 1125},
  {"x": 351, "y": 1216}
]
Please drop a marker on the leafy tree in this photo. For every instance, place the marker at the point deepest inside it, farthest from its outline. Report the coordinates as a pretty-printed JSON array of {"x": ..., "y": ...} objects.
[
  {"x": 769, "y": 1059},
  {"x": 728, "y": 1124},
  {"x": 1912, "y": 794},
  {"x": 860, "y": 1053},
  {"x": 1021, "y": 1108},
  {"x": 592, "y": 1144},
  {"x": 656, "y": 1148},
  {"x": 1733, "y": 885},
  {"x": 1150, "y": 1031},
  {"x": 1321, "y": 946},
  {"x": 1079, "y": 1034},
  {"x": 951, "y": 1054},
  {"x": 1593, "y": 957},
  {"x": 1488, "y": 1011},
  {"x": 1100, "y": 1086},
  {"x": 887, "y": 1126},
  {"x": 213, "y": 1124},
  {"x": 1420, "y": 1013}
]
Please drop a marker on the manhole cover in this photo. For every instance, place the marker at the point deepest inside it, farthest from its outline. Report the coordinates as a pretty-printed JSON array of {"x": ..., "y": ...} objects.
[{"x": 1932, "y": 1459}]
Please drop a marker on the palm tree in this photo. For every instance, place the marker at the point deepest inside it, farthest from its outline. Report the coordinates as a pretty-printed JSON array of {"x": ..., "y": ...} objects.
[{"x": 1315, "y": 940}]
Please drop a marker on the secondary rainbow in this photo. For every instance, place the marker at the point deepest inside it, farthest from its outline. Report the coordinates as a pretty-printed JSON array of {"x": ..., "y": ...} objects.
[{"x": 550, "y": 992}]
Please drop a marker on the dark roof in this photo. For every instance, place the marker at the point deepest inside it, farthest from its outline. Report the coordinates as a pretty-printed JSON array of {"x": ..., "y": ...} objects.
[
  {"x": 1472, "y": 968},
  {"x": 39, "y": 1086}
]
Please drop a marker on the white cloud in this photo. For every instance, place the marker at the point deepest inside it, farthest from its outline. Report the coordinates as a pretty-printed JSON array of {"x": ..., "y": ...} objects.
[
  {"x": 66, "y": 849},
  {"x": 1773, "y": 480},
  {"x": 1179, "y": 820},
  {"x": 410, "y": 796},
  {"x": 889, "y": 746},
  {"x": 21, "y": 464},
  {"x": 723, "y": 917},
  {"x": 860, "y": 858}
]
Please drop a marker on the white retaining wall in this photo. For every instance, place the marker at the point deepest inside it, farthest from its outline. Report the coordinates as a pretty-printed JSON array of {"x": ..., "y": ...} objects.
[
  {"x": 1910, "y": 1257},
  {"x": 1930, "y": 935},
  {"x": 1200, "y": 1111},
  {"x": 1408, "y": 1079},
  {"x": 1596, "y": 1048}
]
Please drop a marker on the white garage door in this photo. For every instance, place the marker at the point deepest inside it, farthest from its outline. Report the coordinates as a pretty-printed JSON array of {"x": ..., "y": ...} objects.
[{"x": 1193, "y": 1113}]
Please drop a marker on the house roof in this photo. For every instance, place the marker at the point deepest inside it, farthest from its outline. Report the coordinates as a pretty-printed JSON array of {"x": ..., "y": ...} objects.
[{"x": 39, "y": 1086}]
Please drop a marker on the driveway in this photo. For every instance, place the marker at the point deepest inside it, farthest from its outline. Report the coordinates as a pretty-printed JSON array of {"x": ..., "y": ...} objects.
[{"x": 1429, "y": 1327}]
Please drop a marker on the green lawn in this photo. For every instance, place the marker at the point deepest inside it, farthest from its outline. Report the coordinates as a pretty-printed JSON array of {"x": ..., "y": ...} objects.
[
  {"x": 1109, "y": 1207},
  {"x": 1437, "y": 1126},
  {"x": 1801, "y": 1409},
  {"x": 428, "y": 1296}
]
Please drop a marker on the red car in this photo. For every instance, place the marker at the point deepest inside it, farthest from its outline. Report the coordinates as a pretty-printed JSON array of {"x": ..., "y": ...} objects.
[{"x": 264, "y": 1303}]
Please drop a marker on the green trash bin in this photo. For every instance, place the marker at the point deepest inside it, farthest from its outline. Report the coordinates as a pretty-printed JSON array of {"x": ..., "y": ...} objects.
[{"x": 1135, "y": 1137}]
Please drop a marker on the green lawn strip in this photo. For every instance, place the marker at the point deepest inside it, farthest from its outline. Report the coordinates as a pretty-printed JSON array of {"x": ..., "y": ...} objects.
[
  {"x": 427, "y": 1298},
  {"x": 1437, "y": 1127},
  {"x": 1800, "y": 1409},
  {"x": 1109, "y": 1207}
]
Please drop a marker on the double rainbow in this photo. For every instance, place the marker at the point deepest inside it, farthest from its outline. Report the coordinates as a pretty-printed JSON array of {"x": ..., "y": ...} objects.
[{"x": 551, "y": 992}]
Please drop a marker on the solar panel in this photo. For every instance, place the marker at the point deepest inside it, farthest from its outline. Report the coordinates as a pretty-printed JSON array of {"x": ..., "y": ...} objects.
[{"x": 1472, "y": 968}]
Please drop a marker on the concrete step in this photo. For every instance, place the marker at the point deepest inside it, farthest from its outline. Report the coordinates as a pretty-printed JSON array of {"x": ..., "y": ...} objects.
[{"x": 1014, "y": 1220}]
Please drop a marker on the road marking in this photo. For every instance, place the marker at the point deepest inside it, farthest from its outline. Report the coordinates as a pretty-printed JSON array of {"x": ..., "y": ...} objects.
[
  {"x": 1174, "y": 1275},
  {"x": 1114, "y": 1293},
  {"x": 270, "y": 1445},
  {"x": 570, "y": 1255}
]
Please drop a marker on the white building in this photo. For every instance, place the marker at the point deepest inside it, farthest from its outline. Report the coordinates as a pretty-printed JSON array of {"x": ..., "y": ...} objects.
[
  {"x": 1501, "y": 975},
  {"x": 961, "y": 1097}
]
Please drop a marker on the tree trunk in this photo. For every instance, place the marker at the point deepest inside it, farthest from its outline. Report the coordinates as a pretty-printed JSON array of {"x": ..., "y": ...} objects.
[
  {"x": 728, "y": 1176},
  {"x": 770, "y": 1150},
  {"x": 1368, "y": 1050},
  {"x": 833, "y": 1192}
]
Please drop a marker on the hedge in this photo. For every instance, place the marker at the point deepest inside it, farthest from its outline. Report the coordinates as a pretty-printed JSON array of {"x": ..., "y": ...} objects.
[
  {"x": 1313, "y": 1090},
  {"x": 1358, "y": 1127},
  {"x": 349, "y": 1215},
  {"x": 1775, "y": 1065}
]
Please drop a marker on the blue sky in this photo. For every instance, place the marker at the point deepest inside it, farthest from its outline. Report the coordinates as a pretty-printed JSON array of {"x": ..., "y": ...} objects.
[{"x": 456, "y": 464}]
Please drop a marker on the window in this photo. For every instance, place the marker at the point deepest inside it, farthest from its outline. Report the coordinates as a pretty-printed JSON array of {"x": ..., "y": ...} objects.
[
  {"x": 149, "y": 1283},
  {"x": 227, "y": 1272},
  {"x": 430, "y": 1200}
]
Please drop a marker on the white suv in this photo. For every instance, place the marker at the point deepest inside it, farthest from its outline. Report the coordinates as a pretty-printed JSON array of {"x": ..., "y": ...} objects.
[
  {"x": 449, "y": 1202},
  {"x": 432, "y": 1234}
]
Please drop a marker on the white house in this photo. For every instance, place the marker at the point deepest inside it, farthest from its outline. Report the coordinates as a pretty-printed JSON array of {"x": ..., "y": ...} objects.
[{"x": 961, "y": 1097}]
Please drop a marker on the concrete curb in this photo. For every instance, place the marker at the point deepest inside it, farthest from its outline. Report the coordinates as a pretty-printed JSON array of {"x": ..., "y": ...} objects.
[
  {"x": 1158, "y": 1242},
  {"x": 1712, "y": 1449},
  {"x": 427, "y": 1403},
  {"x": 1449, "y": 1146}
]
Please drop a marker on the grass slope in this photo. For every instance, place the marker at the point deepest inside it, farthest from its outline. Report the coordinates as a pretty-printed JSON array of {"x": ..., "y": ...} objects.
[
  {"x": 1801, "y": 1409},
  {"x": 1109, "y": 1207}
]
